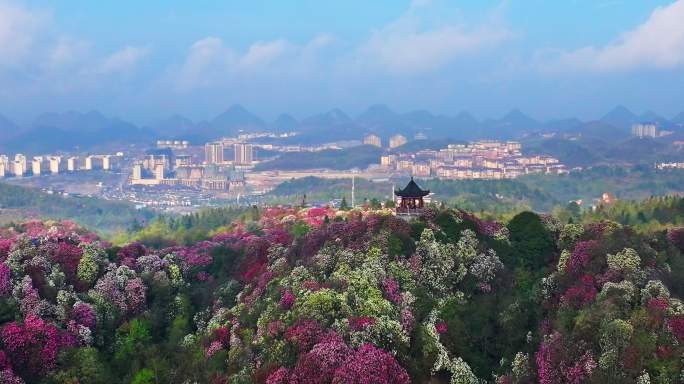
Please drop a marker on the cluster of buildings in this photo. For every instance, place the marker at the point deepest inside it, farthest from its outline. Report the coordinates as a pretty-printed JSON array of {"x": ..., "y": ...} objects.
[
  {"x": 645, "y": 130},
  {"x": 478, "y": 160},
  {"x": 22, "y": 166},
  {"x": 649, "y": 130},
  {"x": 214, "y": 172},
  {"x": 173, "y": 144},
  {"x": 394, "y": 141},
  {"x": 673, "y": 165}
]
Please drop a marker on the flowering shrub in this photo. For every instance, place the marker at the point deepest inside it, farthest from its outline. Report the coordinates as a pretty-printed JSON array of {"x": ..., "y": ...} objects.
[
  {"x": 321, "y": 363},
  {"x": 625, "y": 260},
  {"x": 370, "y": 365},
  {"x": 287, "y": 299},
  {"x": 305, "y": 334},
  {"x": 32, "y": 346},
  {"x": 390, "y": 288},
  {"x": 581, "y": 255},
  {"x": 580, "y": 294},
  {"x": 5, "y": 280},
  {"x": 84, "y": 314}
]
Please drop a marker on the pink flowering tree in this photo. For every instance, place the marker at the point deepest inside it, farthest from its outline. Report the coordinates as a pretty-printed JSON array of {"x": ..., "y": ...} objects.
[{"x": 32, "y": 346}]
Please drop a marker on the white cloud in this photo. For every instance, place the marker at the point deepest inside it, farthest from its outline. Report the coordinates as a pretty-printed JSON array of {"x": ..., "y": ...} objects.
[
  {"x": 210, "y": 62},
  {"x": 406, "y": 47},
  {"x": 19, "y": 28},
  {"x": 37, "y": 58},
  {"x": 123, "y": 60},
  {"x": 657, "y": 43},
  {"x": 263, "y": 53},
  {"x": 68, "y": 51}
]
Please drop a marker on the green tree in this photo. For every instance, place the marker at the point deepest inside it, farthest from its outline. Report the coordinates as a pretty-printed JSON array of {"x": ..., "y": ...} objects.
[
  {"x": 532, "y": 245},
  {"x": 144, "y": 376}
]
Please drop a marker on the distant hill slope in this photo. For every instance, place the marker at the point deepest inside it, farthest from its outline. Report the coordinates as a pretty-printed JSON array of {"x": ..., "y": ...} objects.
[
  {"x": 7, "y": 129},
  {"x": 103, "y": 215},
  {"x": 356, "y": 157},
  {"x": 70, "y": 130}
]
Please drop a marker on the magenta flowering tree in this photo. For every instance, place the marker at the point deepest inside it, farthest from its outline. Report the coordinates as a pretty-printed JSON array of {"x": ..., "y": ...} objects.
[
  {"x": 581, "y": 255},
  {"x": 135, "y": 295},
  {"x": 129, "y": 253},
  {"x": 547, "y": 357},
  {"x": 287, "y": 300},
  {"x": 391, "y": 290},
  {"x": 84, "y": 314},
  {"x": 33, "y": 345},
  {"x": 5, "y": 248},
  {"x": 360, "y": 323},
  {"x": 279, "y": 376},
  {"x": 5, "y": 280},
  {"x": 581, "y": 294},
  {"x": 68, "y": 256},
  {"x": 488, "y": 228},
  {"x": 675, "y": 235},
  {"x": 676, "y": 325},
  {"x": 305, "y": 333},
  {"x": 319, "y": 365},
  {"x": 370, "y": 365}
]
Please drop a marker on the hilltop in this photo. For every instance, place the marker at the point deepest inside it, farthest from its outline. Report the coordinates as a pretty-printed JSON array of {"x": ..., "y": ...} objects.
[{"x": 284, "y": 295}]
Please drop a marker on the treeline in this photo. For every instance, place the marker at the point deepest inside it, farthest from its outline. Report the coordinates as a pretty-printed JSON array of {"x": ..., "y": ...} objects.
[
  {"x": 538, "y": 192},
  {"x": 186, "y": 229},
  {"x": 101, "y": 215},
  {"x": 650, "y": 214}
]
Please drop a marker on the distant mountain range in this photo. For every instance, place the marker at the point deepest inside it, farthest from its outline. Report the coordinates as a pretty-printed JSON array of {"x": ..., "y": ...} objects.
[{"x": 71, "y": 130}]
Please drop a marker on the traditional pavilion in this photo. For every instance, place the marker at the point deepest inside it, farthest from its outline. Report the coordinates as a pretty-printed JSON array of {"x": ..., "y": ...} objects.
[{"x": 411, "y": 198}]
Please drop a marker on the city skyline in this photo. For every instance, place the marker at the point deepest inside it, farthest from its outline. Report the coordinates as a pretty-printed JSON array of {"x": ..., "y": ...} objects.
[{"x": 484, "y": 57}]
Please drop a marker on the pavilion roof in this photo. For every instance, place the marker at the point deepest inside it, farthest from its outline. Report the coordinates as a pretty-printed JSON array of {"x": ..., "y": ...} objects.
[{"x": 412, "y": 190}]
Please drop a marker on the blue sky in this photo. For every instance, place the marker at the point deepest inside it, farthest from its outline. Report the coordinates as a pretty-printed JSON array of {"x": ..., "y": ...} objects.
[{"x": 146, "y": 60}]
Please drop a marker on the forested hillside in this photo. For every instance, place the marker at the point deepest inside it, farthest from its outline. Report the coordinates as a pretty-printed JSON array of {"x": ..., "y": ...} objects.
[
  {"x": 317, "y": 295},
  {"x": 537, "y": 192},
  {"x": 97, "y": 214}
]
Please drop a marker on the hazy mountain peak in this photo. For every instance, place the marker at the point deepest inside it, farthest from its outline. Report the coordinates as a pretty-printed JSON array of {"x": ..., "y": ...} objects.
[
  {"x": 377, "y": 110},
  {"x": 6, "y": 123},
  {"x": 285, "y": 122},
  {"x": 71, "y": 120},
  {"x": 679, "y": 119},
  {"x": 333, "y": 117},
  {"x": 652, "y": 117},
  {"x": 173, "y": 125},
  {"x": 516, "y": 114},
  {"x": 378, "y": 114},
  {"x": 620, "y": 117},
  {"x": 619, "y": 111},
  {"x": 234, "y": 119},
  {"x": 339, "y": 115}
]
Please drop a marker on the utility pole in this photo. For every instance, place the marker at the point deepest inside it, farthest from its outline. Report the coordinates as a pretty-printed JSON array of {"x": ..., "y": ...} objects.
[{"x": 353, "y": 187}]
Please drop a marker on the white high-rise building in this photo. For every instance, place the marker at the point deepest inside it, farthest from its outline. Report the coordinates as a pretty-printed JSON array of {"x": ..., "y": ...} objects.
[
  {"x": 56, "y": 164},
  {"x": 73, "y": 164},
  {"x": 159, "y": 172},
  {"x": 137, "y": 171},
  {"x": 244, "y": 154},
  {"x": 373, "y": 140},
  {"x": 213, "y": 153},
  {"x": 40, "y": 165},
  {"x": 4, "y": 165},
  {"x": 23, "y": 162},
  {"x": 645, "y": 130}
]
